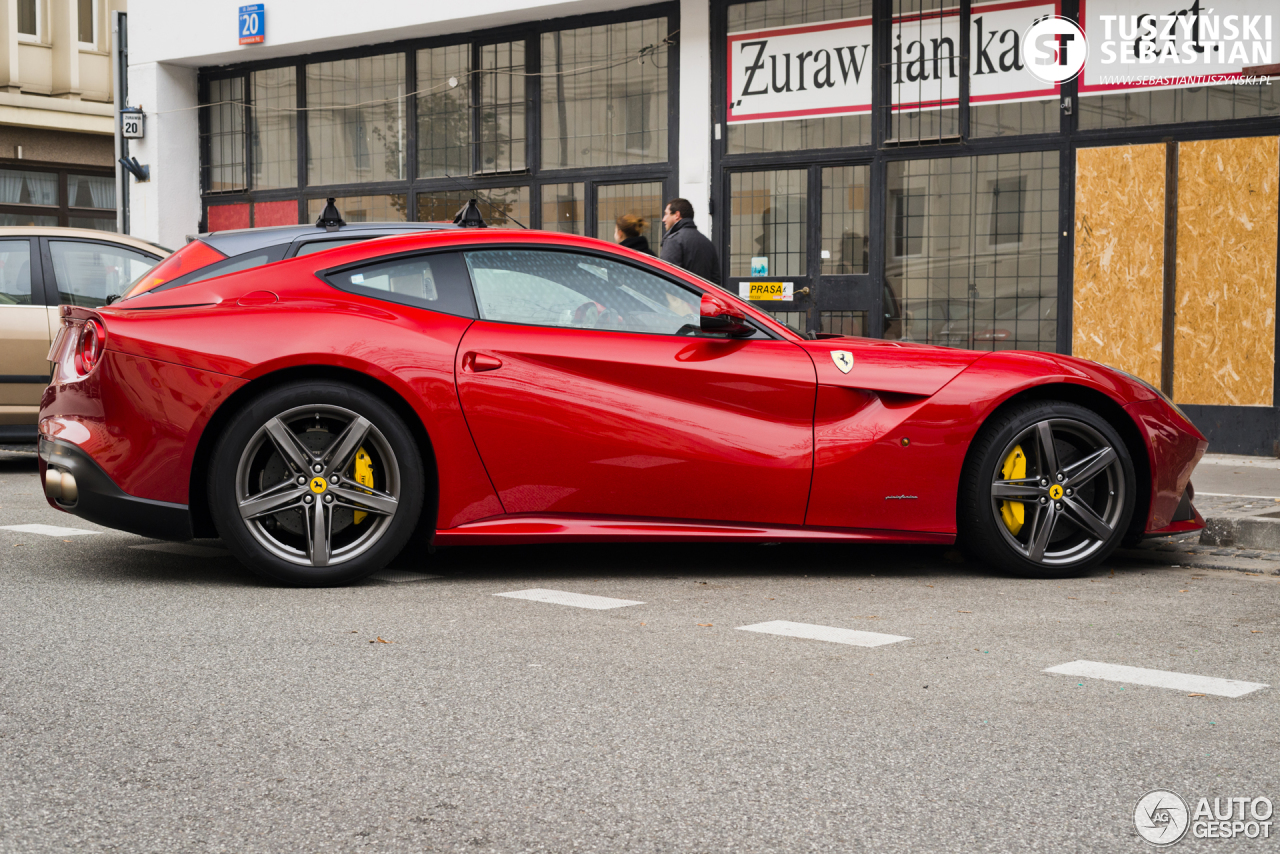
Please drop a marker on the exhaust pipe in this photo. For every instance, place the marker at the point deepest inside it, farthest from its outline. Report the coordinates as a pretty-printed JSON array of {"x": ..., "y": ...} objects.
[{"x": 61, "y": 486}]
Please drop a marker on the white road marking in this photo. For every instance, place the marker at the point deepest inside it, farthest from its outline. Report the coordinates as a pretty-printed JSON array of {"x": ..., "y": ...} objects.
[
  {"x": 1233, "y": 495},
  {"x": 1158, "y": 678},
  {"x": 823, "y": 633},
  {"x": 577, "y": 600},
  {"x": 185, "y": 549},
  {"x": 48, "y": 530},
  {"x": 399, "y": 575}
]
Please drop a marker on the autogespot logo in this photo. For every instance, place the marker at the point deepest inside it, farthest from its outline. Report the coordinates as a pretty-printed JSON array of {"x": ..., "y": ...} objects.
[
  {"x": 1054, "y": 49},
  {"x": 1161, "y": 817}
]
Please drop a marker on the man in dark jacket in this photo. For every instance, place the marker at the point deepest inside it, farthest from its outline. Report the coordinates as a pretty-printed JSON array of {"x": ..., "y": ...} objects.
[{"x": 685, "y": 246}]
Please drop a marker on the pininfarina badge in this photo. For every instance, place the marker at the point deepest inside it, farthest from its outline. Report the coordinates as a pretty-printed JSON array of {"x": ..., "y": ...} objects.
[{"x": 843, "y": 360}]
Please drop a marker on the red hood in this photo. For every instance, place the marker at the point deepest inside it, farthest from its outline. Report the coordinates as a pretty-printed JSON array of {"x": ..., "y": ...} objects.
[{"x": 892, "y": 366}]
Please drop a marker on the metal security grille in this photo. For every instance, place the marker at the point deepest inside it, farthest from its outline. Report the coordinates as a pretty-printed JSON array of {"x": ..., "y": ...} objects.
[
  {"x": 596, "y": 110},
  {"x": 564, "y": 208},
  {"x": 769, "y": 223},
  {"x": 274, "y": 121},
  {"x": 224, "y": 139},
  {"x": 356, "y": 124},
  {"x": 444, "y": 115},
  {"x": 500, "y": 111}
]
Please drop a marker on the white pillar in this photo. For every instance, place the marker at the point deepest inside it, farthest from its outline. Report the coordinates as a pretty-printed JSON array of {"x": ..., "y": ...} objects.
[
  {"x": 695, "y": 109},
  {"x": 167, "y": 208},
  {"x": 64, "y": 35}
]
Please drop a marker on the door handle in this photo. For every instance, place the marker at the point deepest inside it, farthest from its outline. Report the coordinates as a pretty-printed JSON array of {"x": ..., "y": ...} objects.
[{"x": 481, "y": 362}]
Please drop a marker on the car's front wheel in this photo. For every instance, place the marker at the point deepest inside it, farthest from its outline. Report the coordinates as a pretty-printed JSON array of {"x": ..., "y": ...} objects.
[
  {"x": 1048, "y": 491},
  {"x": 315, "y": 484}
]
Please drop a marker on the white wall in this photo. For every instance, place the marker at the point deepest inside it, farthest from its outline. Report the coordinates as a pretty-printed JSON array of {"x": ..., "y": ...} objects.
[
  {"x": 169, "y": 39},
  {"x": 167, "y": 208}
]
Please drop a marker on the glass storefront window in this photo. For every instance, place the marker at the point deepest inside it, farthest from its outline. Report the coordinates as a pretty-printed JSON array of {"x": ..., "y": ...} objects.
[
  {"x": 392, "y": 208},
  {"x": 356, "y": 120},
  {"x": 501, "y": 121},
  {"x": 564, "y": 208},
  {"x": 444, "y": 117},
  {"x": 845, "y": 206},
  {"x": 502, "y": 207},
  {"x": 225, "y": 139},
  {"x": 1166, "y": 106},
  {"x": 796, "y": 134},
  {"x": 643, "y": 200},
  {"x": 768, "y": 223},
  {"x": 972, "y": 251},
  {"x": 275, "y": 128},
  {"x": 597, "y": 108},
  {"x": 101, "y": 223}
]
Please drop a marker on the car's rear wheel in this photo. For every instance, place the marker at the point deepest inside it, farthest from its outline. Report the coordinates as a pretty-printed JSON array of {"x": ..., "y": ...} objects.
[
  {"x": 1047, "y": 492},
  {"x": 315, "y": 484}
]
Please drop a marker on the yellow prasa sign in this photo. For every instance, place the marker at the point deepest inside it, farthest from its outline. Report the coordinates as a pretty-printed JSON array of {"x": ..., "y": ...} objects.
[{"x": 765, "y": 290}]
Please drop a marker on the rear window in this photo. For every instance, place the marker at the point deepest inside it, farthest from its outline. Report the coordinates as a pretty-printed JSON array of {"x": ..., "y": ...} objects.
[{"x": 194, "y": 256}]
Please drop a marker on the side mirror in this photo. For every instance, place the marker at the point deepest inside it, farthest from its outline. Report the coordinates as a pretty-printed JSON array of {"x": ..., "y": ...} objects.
[{"x": 718, "y": 315}]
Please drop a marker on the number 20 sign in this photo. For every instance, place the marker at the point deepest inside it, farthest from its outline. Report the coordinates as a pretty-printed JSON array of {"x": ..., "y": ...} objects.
[{"x": 253, "y": 24}]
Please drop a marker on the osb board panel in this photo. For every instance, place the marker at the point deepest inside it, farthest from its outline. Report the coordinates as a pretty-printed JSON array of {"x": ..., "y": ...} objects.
[
  {"x": 1224, "y": 343},
  {"x": 1119, "y": 258}
]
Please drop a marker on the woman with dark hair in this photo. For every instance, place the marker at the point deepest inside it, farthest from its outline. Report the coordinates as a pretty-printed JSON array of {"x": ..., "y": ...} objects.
[{"x": 628, "y": 233}]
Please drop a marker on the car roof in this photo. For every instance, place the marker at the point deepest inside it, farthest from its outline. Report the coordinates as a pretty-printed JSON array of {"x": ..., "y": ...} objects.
[
  {"x": 241, "y": 240},
  {"x": 83, "y": 234}
]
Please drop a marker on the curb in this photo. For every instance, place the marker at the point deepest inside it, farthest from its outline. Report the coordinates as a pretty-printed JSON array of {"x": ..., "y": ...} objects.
[{"x": 1251, "y": 532}]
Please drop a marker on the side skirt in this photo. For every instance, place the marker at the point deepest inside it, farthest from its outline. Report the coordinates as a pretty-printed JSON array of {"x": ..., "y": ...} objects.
[{"x": 515, "y": 530}]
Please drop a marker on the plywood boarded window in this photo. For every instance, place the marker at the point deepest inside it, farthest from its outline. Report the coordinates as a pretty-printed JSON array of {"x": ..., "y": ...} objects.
[
  {"x": 1119, "y": 257},
  {"x": 1224, "y": 341}
]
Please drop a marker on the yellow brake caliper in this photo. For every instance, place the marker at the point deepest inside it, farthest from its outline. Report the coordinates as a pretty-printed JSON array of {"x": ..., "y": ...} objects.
[
  {"x": 1015, "y": 468},
  {"x": 364, "y": 476}
]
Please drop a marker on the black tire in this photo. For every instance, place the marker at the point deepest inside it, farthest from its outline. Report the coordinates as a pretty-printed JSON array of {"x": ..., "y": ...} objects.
[
  {"x": 1076, "y": 492},
  {"x": 349, "y": 514}
]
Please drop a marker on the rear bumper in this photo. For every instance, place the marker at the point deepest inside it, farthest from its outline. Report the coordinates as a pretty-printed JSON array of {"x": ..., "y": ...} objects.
[{"x": 101, "y": 501}]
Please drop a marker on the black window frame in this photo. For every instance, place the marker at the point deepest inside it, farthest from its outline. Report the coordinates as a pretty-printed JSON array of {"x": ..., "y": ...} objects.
[{"x": 534, "y": 176}]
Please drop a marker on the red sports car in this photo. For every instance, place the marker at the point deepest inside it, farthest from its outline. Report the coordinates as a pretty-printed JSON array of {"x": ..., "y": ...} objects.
[{"x": 470, "y": 385}]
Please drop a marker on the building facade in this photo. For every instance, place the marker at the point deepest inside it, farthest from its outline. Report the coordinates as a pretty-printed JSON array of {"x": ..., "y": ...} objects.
[
  {"x": 895, "y": 168},
  {"x": 57, "y": 160}
]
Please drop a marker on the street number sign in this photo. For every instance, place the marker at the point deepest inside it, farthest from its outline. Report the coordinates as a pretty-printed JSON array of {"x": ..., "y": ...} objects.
[
  {"x": 253, "y": 24},
  {"x": 132, "y": 124}
]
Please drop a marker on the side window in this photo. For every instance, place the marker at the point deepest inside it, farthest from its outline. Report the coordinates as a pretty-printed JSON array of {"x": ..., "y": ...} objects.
[
  {"x": 15, "y": 272},
  {"x": 543, "y": 288},
  {"x": 88, "y": 273},
  {"x": 437, "y": 282},
  {"x": 247, "y": 261}
]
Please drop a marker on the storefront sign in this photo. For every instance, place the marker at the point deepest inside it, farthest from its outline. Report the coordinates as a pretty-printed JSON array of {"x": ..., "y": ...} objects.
[
  {"x": 766, "y": 290},
  {"x": 1146, "y": 44},
  {"x": 825, "y": 69},
  {"x": 253, "y": 24}
]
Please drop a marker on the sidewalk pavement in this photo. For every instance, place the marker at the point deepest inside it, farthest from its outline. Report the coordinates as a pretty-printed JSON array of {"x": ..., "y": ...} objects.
[{"x": 1239, "y": 498}]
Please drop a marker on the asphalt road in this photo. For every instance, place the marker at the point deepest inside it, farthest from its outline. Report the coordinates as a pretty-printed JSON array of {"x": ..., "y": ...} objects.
[{"x": 161, "y": 702}]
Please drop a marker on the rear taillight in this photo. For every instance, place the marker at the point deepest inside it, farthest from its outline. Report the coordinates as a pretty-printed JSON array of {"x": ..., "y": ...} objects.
[{"x": 90, "y": 346}]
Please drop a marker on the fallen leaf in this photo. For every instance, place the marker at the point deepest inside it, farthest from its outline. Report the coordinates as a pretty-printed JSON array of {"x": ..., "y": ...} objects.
[
  {"x": 1255, "y": 631},
  {"x": 964, "y": 612},
  {"x": 928, "y": 585},
  {"x": 1073, "y": 597},
  {"x": 353, "y": 633},
  {"x": 644, "y": 624},
  {"x": 707, "y": 625},
  {"x": 379, "y": 640},
  {"x": 1195, "y": 695},
  {"x": 1184, "y": 591}
]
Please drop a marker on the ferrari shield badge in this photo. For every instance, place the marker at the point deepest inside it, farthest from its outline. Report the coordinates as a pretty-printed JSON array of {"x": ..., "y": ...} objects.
[{"x": 843, "y": 360}]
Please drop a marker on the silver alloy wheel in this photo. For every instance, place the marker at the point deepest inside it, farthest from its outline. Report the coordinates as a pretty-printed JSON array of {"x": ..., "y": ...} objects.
[
  {"x": 1074, "y": 499},
  {"x": 297, "y": 491}
]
